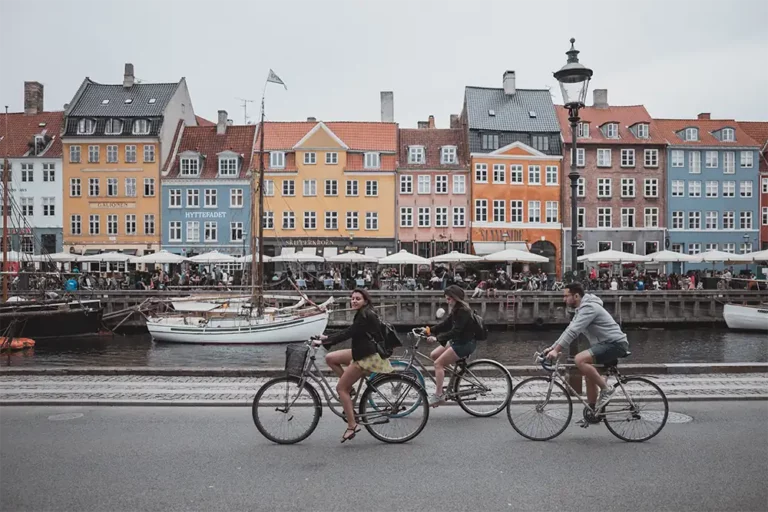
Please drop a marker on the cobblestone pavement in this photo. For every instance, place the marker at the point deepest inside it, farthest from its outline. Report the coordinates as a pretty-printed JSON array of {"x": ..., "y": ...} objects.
[{"x": 153, "y": 390}]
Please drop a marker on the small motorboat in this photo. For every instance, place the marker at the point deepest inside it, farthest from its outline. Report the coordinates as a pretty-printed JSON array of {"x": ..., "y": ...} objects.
[{"x": 746, "y": 318}]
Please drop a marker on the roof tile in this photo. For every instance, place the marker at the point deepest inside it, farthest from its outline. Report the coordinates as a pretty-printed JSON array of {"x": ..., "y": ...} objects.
[
  {"x": 358, "y": 136},
  {"x": 433, "y": 139},
  {"x": 670, "y": 127},
  {"x": 625, "y": 116},
  {"x": 91, "y": 101},
  {"x": 22, "y": 129},
  {"x": 511, "y": 112},
  {"x": 204, "y": 140}
]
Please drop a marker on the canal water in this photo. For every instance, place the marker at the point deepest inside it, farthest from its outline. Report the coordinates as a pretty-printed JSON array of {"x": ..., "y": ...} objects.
[{"x": 510, "y": 347}]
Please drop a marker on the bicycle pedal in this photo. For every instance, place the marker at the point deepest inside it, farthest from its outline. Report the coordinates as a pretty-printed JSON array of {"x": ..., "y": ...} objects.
[{"x": 583, "y": 423}]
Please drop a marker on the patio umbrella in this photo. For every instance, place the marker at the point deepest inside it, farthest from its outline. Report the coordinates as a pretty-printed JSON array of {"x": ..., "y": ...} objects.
[
  {"x": 516, "y": 255},
  {"x": 455, "y": 257},
  {"x": 352, "y": 257},
  {"x": 671, "y": 257},
  {"x": 57, "y": 257},
  {"x": 299, "y": 257},
  {"x": 16, "y": 256},
  {"x": 213, "y": 257},
  {"x": 159, "y": 258},
  {"x": 247, "y": 258},
  {"x": 403, "y": 258},
  {"x": 611, "y": 256},
  {"x": 715, "y": 256},
  {"x": 108, "y": 257}
]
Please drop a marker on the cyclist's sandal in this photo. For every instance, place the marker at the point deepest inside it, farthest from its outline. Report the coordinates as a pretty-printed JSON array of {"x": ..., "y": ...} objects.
[{"x": 354, "y": 431}]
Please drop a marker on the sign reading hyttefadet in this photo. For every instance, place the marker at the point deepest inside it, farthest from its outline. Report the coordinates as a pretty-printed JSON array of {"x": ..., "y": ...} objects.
[{"x": 205, "y": 215}]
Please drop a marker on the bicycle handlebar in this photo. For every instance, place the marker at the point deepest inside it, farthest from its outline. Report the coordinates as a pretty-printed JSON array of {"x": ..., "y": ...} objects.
[{"x": 539, "y": 358}]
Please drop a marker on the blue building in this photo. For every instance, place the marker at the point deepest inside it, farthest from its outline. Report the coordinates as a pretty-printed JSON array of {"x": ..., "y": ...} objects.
[
  {"x": 206, "y": 189},
  {"x": 713, "y": 189}
]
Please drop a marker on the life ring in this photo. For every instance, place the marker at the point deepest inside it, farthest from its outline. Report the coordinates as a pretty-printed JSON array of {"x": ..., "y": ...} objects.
[
  {"x": 539, "y": 322},
  {"x": 16, "y": 343}
]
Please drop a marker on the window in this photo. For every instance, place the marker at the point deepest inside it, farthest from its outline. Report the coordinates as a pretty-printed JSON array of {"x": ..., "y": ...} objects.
[
  {"x": 677, "y": 248},
  {"x": 677, "y": 220},
  {"x": 441, "y": 217},
  {"x": 93, "y": 187},
  {"x": 310, "y": 158},
  {"x": 746, "y": 159},
  {"x": 581, "y": 217},
  {"x": 352, "y": 188},
  {"x": 193, "y": 231},
  {"x": 310, "y": 220},
  {"x": 627, "y": 217},
  {"x": 540, "y": 142},
  {"x": 678, "y": 158},
  {"x": 269, "y": 188},
  {"x": 130, "y": 187},
  {"x": 678, "y": 188},
  {"x": 694, "y": 162},
  {"x": 211, "y": 233},
  {"x": 729, "y": 247},
  {"x": 425, "y": 217},
  {"x": 310, "y": 188},
  {"x": 534, "y": 211},
  {"x": 193, "y": 198},
  {"x": 581, "y": 187},
  {"x": 74, "y": 154},
  {"x": 745, "y": 189},
  {"x": 651, "y": 188},
  {"x": 481, "y": 173},
  {"x": 406, "y": 217},
  {"x": 288, "y": 188},
  {"x": 415, "y": 154},
  {"x": 552, "y": 211},
  {"x": 603, "y": 157},
  {"x": 710, "y": 220},
  {"x": 331, "y": 188},
  {"x": 729, "y": 220},
  {"x": 227, "y": 166},
  {"x": 583, "y": 132},
  {"x": 627, "y": 157},
  {"x": 551, "y": 175},
  {"x": 130, "y": 154},
  {"x": 651, "y": 218},
  {"x": 371, "y": 221},
  {"x": 651, "y": 157},
  {"x": 352, "y": 221},
  {"x": 86, "y": 127},
  {"x": 694, "y": 189},
  {"x": 490, "y": 141},
  {"x": 448, "y": 155},
  {"x": 149, "y": 153},
  {"x": 235, "y": 198},
  {"x": 111, "y": 224},
  {"x": 727, "y": 135},
  {"x": 94, "y": 225},
  {"x": 499, "y": 210},
  {"x": 710, "y": 247},
  {"x": 332, "y": 221},
  {"x": 534, "y": 175},
  {"x": 729, "y": 162},
  {"x": 27, "y": 206},
  {"x": 372, "y": 161},
  {"x": 111, "y": 187},
  {"x": 141, "y": 127},
  {"x": 331, "y": 158},
  {"x": 27, "y": 173},
  {"x": 581, "y": 157},
  {"x": 481, "y": 210},
  {"x": 174, "y": 231},
  {"x": 49, "y": 206},
  {"x": 604, "y": 246},
  {"x": 711, "y": 159},
  {"x": 765, "y": 215},
  {"x": 604, "y": 187},
  {"x": 628, "y": 247},
  {"x": 729, "y": 189},
  {"x": 694, "y": 249},
  {"x": 289, "y": 220},
  {"x": 627, "y": 187},
  {"x": 424, "y": 184},
  {"x": 516, "y": 211},
  {"x": 149, "y": 225},
  {"x": 765, "y": 185},
  {"x": 612, "y": 131},
  {"x": 372, "y": 188},
  {"x": 604, "y": 217},
  {"x": 268, "y": 221},
  {"x": 74, "y": 187},
  {"x": 130, "y": 224},
  {"x": 642, "y": 131},
  {"x": 694, "y": 220},
  {"x": 460, "y": 184},
  {"x": 75, "y": 225},
  {"x": 211, "y": 198},
  {"x": 744, "y": 248},
  {"x": 691, "y": 134},
  {"x": 745, "y": 220},
  {"x": 441, "y": 184},
  {"x": 459, "y": 217},
  {"x": 149, "y": 187},
  {"x": 499, "y": 173},
  {"x": 712, "y": 188},
  {"x": 111, "y": 154},
  {"x": 93, "y": 154},
  {"x": 276, "y": 160},
  {"x": 190, "y": 166}
]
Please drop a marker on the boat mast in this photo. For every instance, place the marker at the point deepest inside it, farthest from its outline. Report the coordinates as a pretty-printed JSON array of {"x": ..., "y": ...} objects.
[
  {"x": 258, "y": 286},
  {"x": 6, "y": 203}
]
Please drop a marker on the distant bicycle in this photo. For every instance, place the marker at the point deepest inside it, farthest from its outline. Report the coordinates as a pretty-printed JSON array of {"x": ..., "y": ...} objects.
[{"x": 540, "y": 408}]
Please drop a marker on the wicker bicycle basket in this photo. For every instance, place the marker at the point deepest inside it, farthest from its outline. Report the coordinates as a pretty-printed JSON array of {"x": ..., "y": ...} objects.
[{"x": 295, "y": 359}]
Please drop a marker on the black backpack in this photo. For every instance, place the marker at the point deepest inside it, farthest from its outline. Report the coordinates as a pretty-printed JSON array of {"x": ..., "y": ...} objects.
[
  {"x": 481, "y": 332},
  {"x": 387, "y": 340}
]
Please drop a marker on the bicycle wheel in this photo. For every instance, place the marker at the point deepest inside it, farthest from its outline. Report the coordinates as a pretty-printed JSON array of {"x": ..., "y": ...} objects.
[
  {"x": 401, "y": 367},
  {"x": 391, "y": 395},
  {"x": 483, "y": 388},
  {"x": 637, "y": 412},
  {"x": 536, "y": 413},
  {"x": 285, "y": 412}
]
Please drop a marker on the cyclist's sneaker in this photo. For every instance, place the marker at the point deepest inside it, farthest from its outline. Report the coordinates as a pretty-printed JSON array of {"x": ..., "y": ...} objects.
[
  {"x": 604, "y": 397},
  {"x": 435, "y": 400}
]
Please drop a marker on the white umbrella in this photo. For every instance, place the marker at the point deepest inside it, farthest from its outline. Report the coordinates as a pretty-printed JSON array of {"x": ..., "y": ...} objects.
[
  {"x": 352, "y": 257},
  {"x": 611, "y": 256},
  {"x": 159, "y": 258},
  {"x": 671, "y": 257},
  {"x": 56, "y": 256},
  {"x": 757, "y": 255},
  {"x": 247, "y": 258},
  {"x": 16, "y": 256},
  {"x": 715, "y": 256},
  {"x": 455, "y": 257},
  {"x": 109, "y": 257},
  {"x": 516, "y": 255},
  {"x": 213, "y": 257},
  {"x": 403, "y": 258},
  {"x": 299, "y": 257}
]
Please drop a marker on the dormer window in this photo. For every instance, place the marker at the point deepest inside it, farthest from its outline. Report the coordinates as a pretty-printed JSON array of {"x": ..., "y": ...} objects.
[
  {"x": 39, "y": 144},
  {"x": 691, "y": 134},
  {"x": 276, "y": 159},
  {"x": 190, "y": 166},
  {"x": 415, "y": 154},
  {"x": 612, "y": 130},
  {"x": 727, "y": 135},
  {"x": 86, "y": 127},
  {"x": 113, "y": 127},
  {"x": 583, "y": 131},
  {"x": 642, "y": 131},
  {"x": 141, "y": 127},
  {"x": 448, "y": 155},
  {"x": 371, "y": 161},
  {"x": 228, "y": 164}
]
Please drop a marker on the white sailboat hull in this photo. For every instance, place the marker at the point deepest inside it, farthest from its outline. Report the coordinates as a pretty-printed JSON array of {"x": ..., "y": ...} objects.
[{"x": 751, "y": 318}]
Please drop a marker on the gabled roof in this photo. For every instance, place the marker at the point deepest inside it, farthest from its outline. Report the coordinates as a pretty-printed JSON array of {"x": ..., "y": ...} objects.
[
  {"x": 22, "y": 129},
  {"x": 521, "y": 146},
  {"x": 758, "y": 130},
  {"x": 670, "y": 127},
  {"x": 358, "y": 136},
  {"x": 201, "y": 121},
  {"x": 320, "y": 126},
  {"x": 512, "y": 113},
  {"x": 433, "y": 139},
  {"x": 625, "y": 116},
  {"x": 90, "y": 102},
  {"x": 205, "y": 141}
]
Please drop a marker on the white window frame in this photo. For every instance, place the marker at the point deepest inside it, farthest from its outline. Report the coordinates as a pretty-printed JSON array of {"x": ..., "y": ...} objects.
[
  {"x": 309, "y": 220},
  {"x": 174, "y": 231},
  {"x": 604, "y": 217},
  {"x": 236, "y": 198},
  {"x": 459, "y": 184},
  {"x": 745, "y": 189},
  {"x": 729, "y": 220},
  {"x": 269, "y": 219},
  {"x": 141, "y": 127},
  {"x": 694, "y": 220},
  {"x": 612, "y": 131},
  {"x": 499, "y": 210},
  {"x": 628, "y": 219},
  {"x": 499, "y": 173},
  {"x": 149, "y": 187},
  {"x": 94, "y": 155},
  {"x": 75, "y": 187},
  {"x": 441, "y": 184},
  {"x": 694, "y": 188},
  {"x": 694, "y": 248},
  {"x": 627, "y": 157},
  {"x": 516, "y": 174},
  {"x": 552, "y": 212},
  {"x": 310, "y": 158},
  {"x": 189, "y": 166},
  {"x": 643, "y": 131},
  {"x": 694, "y": 162},
  {"x": 75, "y": 224},
  {"x": 174, "y": 198},
  {"x": 764, "y": 185},
  {"x": 534, "y": 212},
  {"x": 534, "y": 175},
  {"x": 711, "y": 159},
  {"x": 372, "y": 188},
  {"x": 94, "y": 187},
  {"x": 269, "y": 188},
  {"x": 728, "y": 135},
  {"x": 150, "y": 228},
  {"x": 745, "y": 220},
  {"x": 441, "y": 216},
  {"x": 406, "y": 216},
  {"x": 210, "y": 198},
  {"x": 130, "y": 224},
  {"x": 228, "y": 166},
  {"x": 677, "y": 158},
  {"x": 711, "y": 189},
  {"x": 603, "y": 157},
  {"x": 424, "y": 184},
  {"x": 331, "y": 188},
  {"x": 111, "y": 224},
  {"x": 353, "y": 221},
  {"x": 692, "y": 134},
  {"x": 113, "y": 189},
  {"x": 651, "y": 158},
  {"x": 459, "y": 219},
  {"x": 86, "y": 126},
  {"x": 193, "y": 198},
  {"x": 604, "y": 187},
  {"x": 288, "y": 221},
  {"x": 277, "y": 160},
  {"x": 583, "y": 130},
  {"x": 481, "y": 210},
  {"x": 406, "y": 184},
  {"x": 678, "y": 219},
  {"x": 210, "y": 231},
  {"x": 628, "y": 188},
  {"x": 331, "y": 158},
  {"x": 331, "y": 221},
  {"x": 111, "y": 153},
  {"x": 651, "y": 217},
  {"x": 288, "y": 188},
  {"x": 94, "y": 224},
  {"x": 149, "y": 153},
  {"x": 236, "y": 231},
  {"x": 74, "y": 154},
  {"x": 481, "y": 173},
  {"x": 711, "y": 220},
  {"x": 651, "y": 187},
  {"x": 416, "y": 155},
  {"x": 729, "y": 189},
  {"x": 516, "y": 211},
  {"x": 746, "y": 159},
  {"x": 309, "y": 188},
  {"x": 729, "y": 162},
  {"x": 448, "y": 155},
  {"x": 424, "y": 216},
  {"x": 371, "y": 221},
  {"x": 372, "y": 160},
  {"x": 193, "y": 231},
  {"x": 352, "y": 188},
  {"x": 678, "y": 188},
  {"x": 130, "y": 154},
  {"x": 551, "y": 174}
]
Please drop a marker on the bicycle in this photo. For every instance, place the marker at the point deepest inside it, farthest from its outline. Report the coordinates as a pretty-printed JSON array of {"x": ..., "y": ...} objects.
[
  {"x": 481, "y": 388},
  {"x": 283, "y": 401},
  {"x": 630, "y": 407}
]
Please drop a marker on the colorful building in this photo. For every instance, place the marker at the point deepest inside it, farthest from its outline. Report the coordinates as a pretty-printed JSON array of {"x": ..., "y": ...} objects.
[
  {"x": 621, "y": 156},
  {"x": 433, "y": 190},
  {"x": 116, "y": 139},
  {"x": 329, "y": 187},
  {"x": 206, "y": 189},
  {"x": 759, "y": 133}
]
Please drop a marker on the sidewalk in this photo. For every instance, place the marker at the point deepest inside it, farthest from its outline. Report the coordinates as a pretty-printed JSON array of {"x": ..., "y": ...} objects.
[{"x": 239, "y": 391}]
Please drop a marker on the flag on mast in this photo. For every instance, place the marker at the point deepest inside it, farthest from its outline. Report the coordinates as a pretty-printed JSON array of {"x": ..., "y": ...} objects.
[{"x": 275, "y": 79}]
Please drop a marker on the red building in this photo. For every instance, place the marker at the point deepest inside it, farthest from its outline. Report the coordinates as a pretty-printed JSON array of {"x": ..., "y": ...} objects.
[{"x": 759, "y": 132}]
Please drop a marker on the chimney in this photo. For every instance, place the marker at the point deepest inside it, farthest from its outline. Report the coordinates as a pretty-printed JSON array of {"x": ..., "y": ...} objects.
[
  {"x": 311, "y": 119},
  {"x": 705, "y": 116},
  {"x": 33, "y": 97},
  {"x": 509, "y": 83},
  {"x": 431, "y": 121},
  {"x": 221, "y": 125},
  {"x": 387, "y": 107},
  {"x": 422, "y": 125},
  {"x": 600, "y": 98},
  {"x": 455, "y": 121},
  {"x": 128, "y": 78}
]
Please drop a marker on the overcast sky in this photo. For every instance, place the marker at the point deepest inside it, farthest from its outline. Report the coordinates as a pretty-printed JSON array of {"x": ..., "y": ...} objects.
[{"x": 677, "y": 57}]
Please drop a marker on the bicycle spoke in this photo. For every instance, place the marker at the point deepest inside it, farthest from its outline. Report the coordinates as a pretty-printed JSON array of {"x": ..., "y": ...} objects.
[
  {"x": 284, "y": 411},
  {"x": 638, "y": 410},
  {"x": 483, "y": 389},
  {"x": 391, "y": 397},
  {"x": 535, "y": 412}
]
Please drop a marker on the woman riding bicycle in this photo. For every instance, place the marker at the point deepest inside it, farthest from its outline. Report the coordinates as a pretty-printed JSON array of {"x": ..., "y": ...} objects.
[
  {"x": 361, "y": 359},
  {"x": 458, "y": 328}
]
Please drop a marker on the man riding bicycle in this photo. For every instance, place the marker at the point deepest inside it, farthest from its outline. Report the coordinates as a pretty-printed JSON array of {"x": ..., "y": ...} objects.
[{"x": 607, "y": 341}]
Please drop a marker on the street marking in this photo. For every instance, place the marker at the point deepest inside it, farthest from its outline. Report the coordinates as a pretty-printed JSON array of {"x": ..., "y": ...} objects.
[{"x": 66, "y": 416}]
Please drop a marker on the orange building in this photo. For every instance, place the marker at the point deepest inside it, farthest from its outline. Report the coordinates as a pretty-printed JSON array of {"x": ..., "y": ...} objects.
[{"x": 516, "y": 202}]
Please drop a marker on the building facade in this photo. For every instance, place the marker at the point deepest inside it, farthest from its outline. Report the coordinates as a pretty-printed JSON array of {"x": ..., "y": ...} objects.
[
  {"x": 329, "y": 187},
  {"x": 758, "y": 131},
  {"x": 712, "y": 187},
  {"x": 116, "y": 140},
  {"x": 621, "y": 155},
  {"x": 206, "y": 190},
  {"x": 433, "y": 191}
]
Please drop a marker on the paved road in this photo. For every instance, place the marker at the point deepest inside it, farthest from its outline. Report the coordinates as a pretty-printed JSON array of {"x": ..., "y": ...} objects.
[{"x": 168, "y": 459}]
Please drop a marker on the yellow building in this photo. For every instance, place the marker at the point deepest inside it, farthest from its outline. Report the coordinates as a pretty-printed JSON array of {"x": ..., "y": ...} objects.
[
  {"x": 116, "y": 140},
  {"x": 330, "y": 186}
]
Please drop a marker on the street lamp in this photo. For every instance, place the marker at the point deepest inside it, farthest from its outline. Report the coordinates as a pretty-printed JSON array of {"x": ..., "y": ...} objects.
[
  {"x": 505, "y": 236},
  {"x": 574, "y": 81}
]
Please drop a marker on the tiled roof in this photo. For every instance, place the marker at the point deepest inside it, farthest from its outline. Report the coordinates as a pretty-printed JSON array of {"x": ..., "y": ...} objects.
[
  {"x": 204, "y": 122},
  {"x": 512, "y": 113},
  {"x": 670, "y": 127},
  {"x": 204, "y": 140},
  {"x": 358, "y": 136},
  {"x": 758, "y": 130},
  {"x": 91, "y": 101},
  {"x": 22, "y": 129},
  {"x": 432, "y": 139},
  {"x": 155, "y": 124},
  {"x": 625, "y": 116}
]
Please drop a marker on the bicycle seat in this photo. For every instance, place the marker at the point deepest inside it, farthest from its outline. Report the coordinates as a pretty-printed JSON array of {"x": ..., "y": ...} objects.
[{"x": 615, "y": 362}]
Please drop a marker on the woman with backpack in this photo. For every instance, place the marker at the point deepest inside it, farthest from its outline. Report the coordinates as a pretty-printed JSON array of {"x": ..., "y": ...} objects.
[
  {"x": 459, "y": 328},
  {"x": 361, "y": 359}
]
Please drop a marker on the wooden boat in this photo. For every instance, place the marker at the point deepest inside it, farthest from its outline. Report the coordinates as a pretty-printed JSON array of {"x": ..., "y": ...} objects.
[
  {"x": 51, "y": 319},
  {"x": 748, "y": 318}
]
